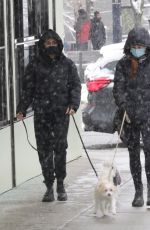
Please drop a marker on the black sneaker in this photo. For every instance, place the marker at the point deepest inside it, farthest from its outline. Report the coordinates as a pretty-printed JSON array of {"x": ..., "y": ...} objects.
[
  {"x": 138, "y": 199},
  {"x": 49, "y": 195}
]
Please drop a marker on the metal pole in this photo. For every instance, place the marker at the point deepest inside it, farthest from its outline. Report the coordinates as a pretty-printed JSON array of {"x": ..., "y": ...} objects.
[
  {"x": 11, "y": 64},
  {"x": 6, "y": 56},
  {"x": 54, "y": 14},
  {"x": 80, "y": 66},
  {"x": 116, "y": 15}
]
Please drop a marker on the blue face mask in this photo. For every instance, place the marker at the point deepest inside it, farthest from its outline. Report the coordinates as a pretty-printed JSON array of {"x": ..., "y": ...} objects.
[{"x": 138, "y": 52}]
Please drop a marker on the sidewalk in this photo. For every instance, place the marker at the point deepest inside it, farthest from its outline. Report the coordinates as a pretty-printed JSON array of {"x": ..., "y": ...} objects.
[{"x": 22, "y": 209}]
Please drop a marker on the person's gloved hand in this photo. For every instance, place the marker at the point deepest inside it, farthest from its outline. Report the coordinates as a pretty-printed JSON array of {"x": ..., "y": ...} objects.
[
  {"x": 20, "y": 116},
  {"x": 70, "y": 111}
]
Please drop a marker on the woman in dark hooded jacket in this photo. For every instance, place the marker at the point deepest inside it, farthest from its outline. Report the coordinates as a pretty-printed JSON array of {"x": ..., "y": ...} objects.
[
  {"x": 132, "y": 94},
  {"x": 52, "y": 86}
]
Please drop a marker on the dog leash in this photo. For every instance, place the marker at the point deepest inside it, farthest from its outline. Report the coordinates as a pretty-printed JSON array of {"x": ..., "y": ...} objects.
[
  {"x": 123, "y": 120},
  {"x": 116, "y": 148},
  {"x": 28, "y": 136},
  {"x": 79, "y": 137},
  {"x": 84, "y": 146},
  {"x": 122, "y": 124},
  {"x": 83, "y": 142}
]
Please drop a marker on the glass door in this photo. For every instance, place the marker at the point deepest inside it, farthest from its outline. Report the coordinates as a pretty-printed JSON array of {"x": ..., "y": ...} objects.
[
  {"x": 32, "y": 16},
  {"x": 4, "y": 99}
]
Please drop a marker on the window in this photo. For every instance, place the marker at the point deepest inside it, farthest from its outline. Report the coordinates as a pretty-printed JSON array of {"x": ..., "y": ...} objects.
[
  {"x": 3, "y": 101},
  {"x": 1, "y": 24},
  {"x": 111, "y": 65},
  {"x": 33, "y": 21},
  {"x": 24, "y": 53},
  {"x": 31, "y": 18}
]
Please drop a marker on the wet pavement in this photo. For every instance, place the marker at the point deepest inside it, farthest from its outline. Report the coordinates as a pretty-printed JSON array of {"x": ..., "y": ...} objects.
[{"x": 22, "y": 209}]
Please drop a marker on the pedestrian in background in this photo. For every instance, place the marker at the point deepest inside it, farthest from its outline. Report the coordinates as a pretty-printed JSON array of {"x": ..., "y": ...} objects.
[
  {"x": 97, "y": 32},
  {"x": 132, "y": 94},
  {"x": 52, "y": 86},
  {"x": 82, "y": 28}
]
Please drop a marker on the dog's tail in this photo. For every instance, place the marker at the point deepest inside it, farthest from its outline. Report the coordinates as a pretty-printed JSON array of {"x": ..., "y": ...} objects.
[{"x": 117, "y": 178}]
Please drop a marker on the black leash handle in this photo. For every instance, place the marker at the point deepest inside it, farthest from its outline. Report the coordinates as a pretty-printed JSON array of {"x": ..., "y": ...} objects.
[{"x": 84, "y": 146}]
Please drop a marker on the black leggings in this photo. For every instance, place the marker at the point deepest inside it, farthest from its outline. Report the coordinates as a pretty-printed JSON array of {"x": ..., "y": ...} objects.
[{"x": 133, "y": 133}]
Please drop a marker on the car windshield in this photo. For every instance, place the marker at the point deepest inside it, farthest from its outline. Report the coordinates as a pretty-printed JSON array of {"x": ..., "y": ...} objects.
[
  {"x": 110, "y": 67},
  {"x": 105, "y": 71}
]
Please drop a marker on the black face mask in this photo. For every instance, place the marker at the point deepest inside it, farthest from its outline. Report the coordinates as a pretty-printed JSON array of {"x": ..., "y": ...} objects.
[{"x": 52, "y": 50}]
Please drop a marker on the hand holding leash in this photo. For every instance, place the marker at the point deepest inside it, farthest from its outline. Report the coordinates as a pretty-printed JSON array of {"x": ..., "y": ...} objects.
[
  {"x": 127, "y": 119},
  {"x": 70, "y": 111},
  {"x": 20, "y": 116}
]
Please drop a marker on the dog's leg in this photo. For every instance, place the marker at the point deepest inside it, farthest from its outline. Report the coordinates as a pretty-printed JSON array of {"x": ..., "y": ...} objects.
[
  {"x": 107, "y": 208},
  {"x": 113, "y": 206},
  {"x": 99, "y": 212},
  {"x": 102, "y": 209},
  {"x": 98, "y": 209},
  {"x": 96, "y": 206}
]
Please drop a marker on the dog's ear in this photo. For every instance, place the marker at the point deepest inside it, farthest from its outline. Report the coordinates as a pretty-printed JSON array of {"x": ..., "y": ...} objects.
[
  {"x": 101, "y": 186},
  {"x": 117, "y": 178}
]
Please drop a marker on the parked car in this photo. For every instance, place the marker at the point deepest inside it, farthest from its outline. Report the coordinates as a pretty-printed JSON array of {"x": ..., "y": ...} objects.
[{"x": 100, "y": 110}]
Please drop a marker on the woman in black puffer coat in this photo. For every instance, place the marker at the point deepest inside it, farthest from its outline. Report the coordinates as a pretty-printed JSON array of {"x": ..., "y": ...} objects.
[
  {"x": 52, "y": 86},
  {"x": 132, "y": 94}
]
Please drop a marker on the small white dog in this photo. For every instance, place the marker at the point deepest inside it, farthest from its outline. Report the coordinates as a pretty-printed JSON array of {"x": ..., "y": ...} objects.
[{"x": 106, "y": 190}]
